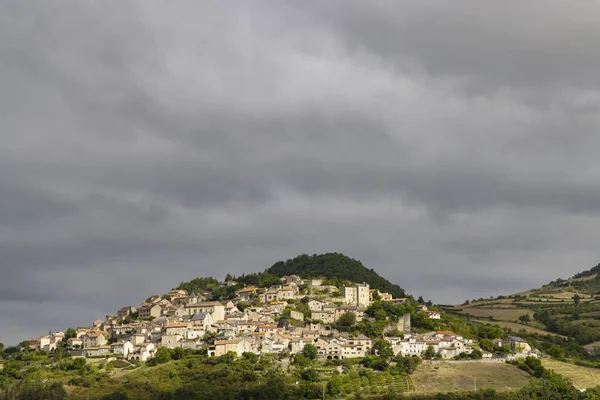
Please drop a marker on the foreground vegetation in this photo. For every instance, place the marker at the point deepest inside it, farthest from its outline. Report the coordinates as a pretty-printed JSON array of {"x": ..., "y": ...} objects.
[{"x": 193, "y": 376}]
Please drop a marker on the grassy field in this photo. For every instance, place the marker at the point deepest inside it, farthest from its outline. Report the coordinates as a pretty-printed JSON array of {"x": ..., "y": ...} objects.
[
  {"x": 455, "y": 376},
  {"x": 501, "y": 314},
  {"x": 582, "y": 377},
  {"x": 517, "y": 327}
]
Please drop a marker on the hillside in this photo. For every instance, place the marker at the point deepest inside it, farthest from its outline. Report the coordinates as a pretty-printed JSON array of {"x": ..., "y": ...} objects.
[
  {"x": 592, "y": 271},
  {"x": 195, "y": 349},
  {"x": 561, "y": 318},
  {"x": 334, "y": 266}
]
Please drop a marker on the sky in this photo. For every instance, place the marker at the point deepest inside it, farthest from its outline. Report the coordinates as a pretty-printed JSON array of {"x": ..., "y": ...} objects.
[{"x": 450, "y": 146}]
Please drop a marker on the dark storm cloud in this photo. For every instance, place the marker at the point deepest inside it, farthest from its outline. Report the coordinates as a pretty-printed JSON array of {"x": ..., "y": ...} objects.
[{"x": 449, "y": 146}]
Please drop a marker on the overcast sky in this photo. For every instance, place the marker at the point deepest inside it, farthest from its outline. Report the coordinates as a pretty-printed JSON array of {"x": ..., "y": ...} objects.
[{"x": 452, "y": 146}]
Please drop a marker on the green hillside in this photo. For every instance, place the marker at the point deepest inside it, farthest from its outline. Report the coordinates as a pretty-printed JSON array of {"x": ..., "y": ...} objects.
[
  {"x": 334, "y": 266},
  {"x": 561, "y": 318},
  {"x": 592, "y": 271}
]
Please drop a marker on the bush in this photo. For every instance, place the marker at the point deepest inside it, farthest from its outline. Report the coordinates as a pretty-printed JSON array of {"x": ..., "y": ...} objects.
[
  {"x": 119, "y": 364},
  {"x": 116, "y": 396}
]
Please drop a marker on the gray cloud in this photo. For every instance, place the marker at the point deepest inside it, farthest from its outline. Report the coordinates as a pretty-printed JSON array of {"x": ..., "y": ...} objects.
[{"x": 451, "y": 147}]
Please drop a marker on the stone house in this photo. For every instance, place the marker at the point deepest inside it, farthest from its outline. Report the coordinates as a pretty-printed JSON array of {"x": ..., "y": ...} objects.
[
  {"x": 328, "y": 317},
  {"x": 357, "y": 294},
  {"x": 94, "y": 339},
  {"x": 176, "y": 328},
  {"x": 238, "y": 346},
  {"x": 171, "y": 341},
  {"x": 517, "y": 344},
  {"x": 126, "y": 311},
  {"x": 247, "y": 293},
  {"x": 148, "y": 310},
  {"x": 213, "y": 307},
  {"x": 339, "y": 311},
  {"x": 316, "y": 305},
  {"x": 202, "y": 320}
]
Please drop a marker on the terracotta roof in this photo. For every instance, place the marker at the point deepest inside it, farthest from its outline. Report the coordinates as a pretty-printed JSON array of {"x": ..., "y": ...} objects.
[{"x": 177, "y": 325}]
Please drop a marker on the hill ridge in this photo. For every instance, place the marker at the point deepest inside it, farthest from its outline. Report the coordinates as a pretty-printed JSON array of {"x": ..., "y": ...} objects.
[{"x": 335, "y": 266}]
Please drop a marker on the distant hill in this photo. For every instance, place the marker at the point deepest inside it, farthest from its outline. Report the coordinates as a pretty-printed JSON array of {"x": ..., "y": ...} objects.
[
  {"x": 334, "y": 266},
  {"x": 565, "y": 308},
  {"x": 592, "y": 271}
]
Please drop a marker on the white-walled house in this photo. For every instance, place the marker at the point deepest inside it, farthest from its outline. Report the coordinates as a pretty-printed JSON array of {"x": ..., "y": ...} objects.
[
  {"x": 412, "y": 347},
  {"x": 142, "y": 352},
  {"x": 122, "y": 348}
]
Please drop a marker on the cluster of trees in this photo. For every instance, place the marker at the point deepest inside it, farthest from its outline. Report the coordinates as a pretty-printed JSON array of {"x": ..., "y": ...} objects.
[
  {"x": 199, "y": 284},
  {"x": 589, "y": 272},
  {"x": 334, "y": 266},
  {"x": 260, "y": 279},
  {"x": 196, "y": 376},
  {"x": 582, "y": 333}
]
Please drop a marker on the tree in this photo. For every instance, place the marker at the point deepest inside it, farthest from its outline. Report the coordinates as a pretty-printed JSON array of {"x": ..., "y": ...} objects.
[
  {"x": 347, "y": 319},
  {"x": 301, "y": 360},
  {"x": 576, "y": 298},
  {"x": 429, "y": 353},
  {"x": 69, "y": 334},
  {"x": 35, "y": 390},
  {"x": 310, "y": 351},
  {"x": 119, "y": 395},
  {"x": 486, "y": 345},
  {"x": 163, "y": 355},
  {"x": 178, "y": 353},
  {"x": 253, "y": 358},
  {"x": 58, "y": 353},
  {"x": 524, "y": 318},
  {"x": 407, "y": 364},
  {"x": 79, "y": 363},
  {"x": 556, "y": 351},
  {"x": 1, "y": 348},
  {"x": 383, "y": 349},
  {"x": 283, "y": 323},
  {"x": 420, "y": 300},
  {"x": 476, "y": 355},
  {"x": 575, "y": 316},
  {"x": 310, "y": 374},
  {"x": 335, "y": 386}
]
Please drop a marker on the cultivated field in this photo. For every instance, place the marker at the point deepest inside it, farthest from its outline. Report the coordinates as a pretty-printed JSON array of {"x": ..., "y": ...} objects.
[
  {"x": 515, "y": 327},
  {"x": 501, "y": 314},
  {"x": 581, "y": 377},
  {"x": 457, "y": 376}
]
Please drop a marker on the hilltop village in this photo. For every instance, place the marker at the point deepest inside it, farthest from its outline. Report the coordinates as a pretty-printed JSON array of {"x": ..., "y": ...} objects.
[{"x": 278, "y": 319}]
